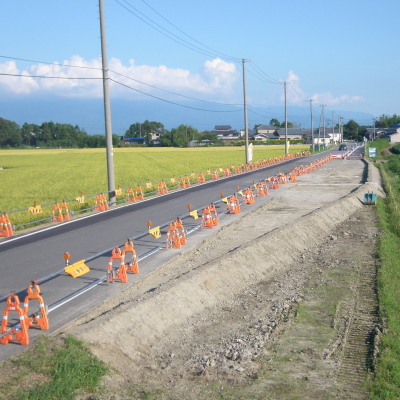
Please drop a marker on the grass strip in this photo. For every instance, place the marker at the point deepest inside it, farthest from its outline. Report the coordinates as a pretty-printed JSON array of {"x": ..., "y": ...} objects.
[
  {"x": 386, "y": 382},
  {"x": 50, "y": 370}
]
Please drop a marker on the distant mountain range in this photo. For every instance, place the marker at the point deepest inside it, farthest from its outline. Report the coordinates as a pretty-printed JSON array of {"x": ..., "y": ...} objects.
[{"x": 88, "y": 114}]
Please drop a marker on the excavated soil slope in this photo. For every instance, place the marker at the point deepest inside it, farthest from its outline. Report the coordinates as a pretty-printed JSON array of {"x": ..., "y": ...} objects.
[{"x": 280, "y": 304}]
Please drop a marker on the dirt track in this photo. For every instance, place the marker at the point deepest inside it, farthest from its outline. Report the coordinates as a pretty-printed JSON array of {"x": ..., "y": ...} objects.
[{"x": 280, "y": 304}]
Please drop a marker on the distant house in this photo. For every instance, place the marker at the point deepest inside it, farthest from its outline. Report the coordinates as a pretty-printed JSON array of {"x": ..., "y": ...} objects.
[
  {"x": 156, "y": 134},
  {"x": 375, "y": 133},
  {"x": 266, "y": 129},
  {"x": 292, "y": 133},
  {"x": 226, "y": 133},
  {"x": 392, "y": 133},
  {"x": 331, "y": 136}
]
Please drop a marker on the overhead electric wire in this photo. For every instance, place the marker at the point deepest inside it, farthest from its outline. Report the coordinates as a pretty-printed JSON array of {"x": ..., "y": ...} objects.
[
  {"x": 46, "y": 77},
  {"x": 50, "y": 63},
  {"x": 176, "y": 94},
  {"x": 110, "y": 70},
  {"x": 260, "y": 71},
  {"x": 172, "y": 102},
  {"x": 180, "y": 30},
  {"x": 175, "y": 38}
]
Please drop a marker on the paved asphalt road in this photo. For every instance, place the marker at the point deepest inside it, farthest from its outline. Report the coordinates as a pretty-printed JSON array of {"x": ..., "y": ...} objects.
[{"x": 38, "y": 254}]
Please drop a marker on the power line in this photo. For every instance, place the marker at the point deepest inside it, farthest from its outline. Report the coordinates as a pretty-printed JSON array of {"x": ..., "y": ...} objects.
[
  {"x": 266, "y": 77},
  {"x": 176, "y": 94},
  {"x": 47, "y": 77},
  {"x": 180, "y": 30},
  {"x": 99, "y": 69},
  {"x": 50, "y": 63},
  {"x": 169, "y": 34},
  {"x": 171, "y": 102}
]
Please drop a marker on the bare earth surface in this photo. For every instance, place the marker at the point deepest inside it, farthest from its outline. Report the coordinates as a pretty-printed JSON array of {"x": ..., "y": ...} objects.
[{"x": 280, "y": 304}]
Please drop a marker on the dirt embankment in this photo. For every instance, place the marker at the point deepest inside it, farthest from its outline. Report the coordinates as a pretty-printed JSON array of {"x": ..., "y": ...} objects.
[{"x": 280, "y": 304}]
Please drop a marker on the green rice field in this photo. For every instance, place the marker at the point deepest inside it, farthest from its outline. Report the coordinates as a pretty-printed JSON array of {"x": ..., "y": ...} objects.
[{"x": 48, "y": 176}]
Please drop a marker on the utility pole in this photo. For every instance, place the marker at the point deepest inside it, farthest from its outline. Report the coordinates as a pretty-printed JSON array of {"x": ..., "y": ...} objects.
[
  {"x": 246, "y": 123},
  {"x": 107, "y": 109},
  {"x": 286, "y": 139},
  {"x": 374, "y": 129},
  {"x": 312, "y": 127},
  {"x": 323, "y": 120},
  {"x": 333, "y": 126}
]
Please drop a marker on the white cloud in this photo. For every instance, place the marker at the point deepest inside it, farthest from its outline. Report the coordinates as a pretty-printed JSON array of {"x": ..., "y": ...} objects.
[
  {"x": 13, "y": 83},
  {"x": 296, "y": 95},
  {"x": 216, "y": 77},
  {"x": 330, "y": 100}
]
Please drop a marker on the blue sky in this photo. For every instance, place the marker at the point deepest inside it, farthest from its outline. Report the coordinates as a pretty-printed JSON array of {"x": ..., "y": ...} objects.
[{"x": 343, "y": 54}]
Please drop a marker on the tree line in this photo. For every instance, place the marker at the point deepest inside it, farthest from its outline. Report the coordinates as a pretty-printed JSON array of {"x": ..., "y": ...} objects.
[
  {"x": 48, "y": 135},
  {"x": 56, "y": 135}
]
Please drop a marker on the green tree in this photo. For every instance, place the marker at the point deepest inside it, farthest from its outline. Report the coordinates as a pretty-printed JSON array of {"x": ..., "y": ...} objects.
[
  {"x": 142, "y": 129},
  {"x": 353, "y": 131},
  {"x": 10, "y": 133},
  {"x": 275, "y": 122},
  {"x": 385, "y": 121}
]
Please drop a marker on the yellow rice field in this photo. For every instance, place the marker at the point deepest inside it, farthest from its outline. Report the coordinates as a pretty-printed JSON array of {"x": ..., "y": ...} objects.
[{"x": 47, "y": 176}]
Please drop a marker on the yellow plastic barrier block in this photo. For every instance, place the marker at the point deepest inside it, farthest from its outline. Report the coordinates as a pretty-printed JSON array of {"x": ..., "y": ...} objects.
[
  {"x": 80, "y": 199},
  {"x": 149, "y": 185},
  {"x": 155, "y": 232},
  {"x": 77, "y": 269},
  {"x": 225, "y": 200},
  {"x": 240, "y": 192},
  {"x": 118, "y": 192},
  {"x": 194, "y": 214},
  {"x": 35, "y": 210}
]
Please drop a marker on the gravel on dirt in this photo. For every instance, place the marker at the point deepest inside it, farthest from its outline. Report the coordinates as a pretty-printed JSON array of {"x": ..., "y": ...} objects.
[{"x": 279, "y": 304}]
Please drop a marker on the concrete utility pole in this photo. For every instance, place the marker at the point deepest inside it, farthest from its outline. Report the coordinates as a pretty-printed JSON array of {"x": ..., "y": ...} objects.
[
  {"x": 333, "y": 125},
  {"x": 107, "y": 109},
  {"x": 312, "y": 127},
  {"x": 286, "y": 138},
  {"x": 374, "y": 130},
  {"x": 323, "y": 119},
  {"x": 246, "y": 123}
]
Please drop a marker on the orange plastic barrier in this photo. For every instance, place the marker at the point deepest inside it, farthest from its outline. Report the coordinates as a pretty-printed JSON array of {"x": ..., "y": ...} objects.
[
  {"x": 56, "y": 214},
  {"x": 16, "y": 334},
  {"x": 116, "y": 274},
  {"x": 172, "y": 238},
  {"x": 200, "y": 178},
  {"x": 5, "y": 226},
  {"x": 214, "y": 214},
  {"x": 233, "y": 205},
  {"x": 100, "y": 203},
  {"x": 162, "y": 188},
  {"x": 133, "y": 265},
  {"x": 206, "y": 218},
  {"x": 130, "y": 195},
  {"x": 262, "y": 189},
  {"x": 65, "y": 211},
  {"x": 248, "y": 196},
  {"x": 139, "y": 193},
  {"x": 181, "y": 231},
  {"x": 39, "y": 319}
]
